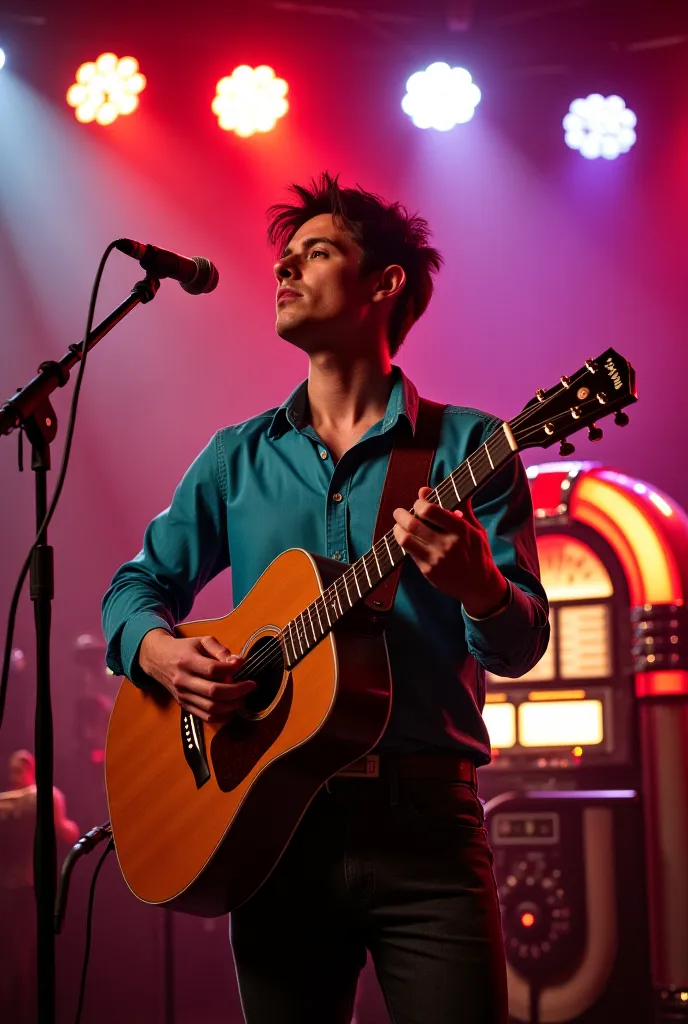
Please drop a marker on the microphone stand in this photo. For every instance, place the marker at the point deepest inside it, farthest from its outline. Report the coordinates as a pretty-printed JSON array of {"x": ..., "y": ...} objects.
[{"x": 29, "y": 409}]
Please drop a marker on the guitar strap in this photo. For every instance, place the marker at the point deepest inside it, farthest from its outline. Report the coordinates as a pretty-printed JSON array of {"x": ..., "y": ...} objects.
[{"x": 408, "y": 469}]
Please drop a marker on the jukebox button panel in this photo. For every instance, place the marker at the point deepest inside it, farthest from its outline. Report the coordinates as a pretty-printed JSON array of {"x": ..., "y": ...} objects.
[{"x": 544, "y": 928}]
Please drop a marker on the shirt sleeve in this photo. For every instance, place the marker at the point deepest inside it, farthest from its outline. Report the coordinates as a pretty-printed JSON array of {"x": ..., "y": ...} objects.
[
  {"x": 512, "y": 641},
  {"x": 183, "y": 549}
]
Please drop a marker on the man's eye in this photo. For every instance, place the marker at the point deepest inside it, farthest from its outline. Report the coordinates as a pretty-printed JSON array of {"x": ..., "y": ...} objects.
[{"x": 318, "y": 252}]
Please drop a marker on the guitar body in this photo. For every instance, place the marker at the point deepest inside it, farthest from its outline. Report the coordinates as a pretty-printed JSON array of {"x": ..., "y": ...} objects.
[{"x": 201, "y": 813}]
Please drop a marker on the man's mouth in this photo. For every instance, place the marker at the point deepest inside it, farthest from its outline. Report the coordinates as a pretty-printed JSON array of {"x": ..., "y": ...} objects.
[{"x": 287, "y": 293}]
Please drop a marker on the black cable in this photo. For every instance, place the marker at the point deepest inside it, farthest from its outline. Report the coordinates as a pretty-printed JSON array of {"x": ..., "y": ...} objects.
[
  {"x": 58, "y": 486},
  {"x": 89, "y": 922}
]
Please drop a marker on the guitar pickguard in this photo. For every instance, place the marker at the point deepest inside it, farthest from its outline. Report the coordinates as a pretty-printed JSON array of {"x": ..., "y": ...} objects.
[{"x": 240, "y": 744}]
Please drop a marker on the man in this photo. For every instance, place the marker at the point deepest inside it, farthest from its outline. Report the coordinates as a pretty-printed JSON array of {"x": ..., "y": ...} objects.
[
  {"x": 399, "y": 864},
  {"x": 17, "y": 905}
]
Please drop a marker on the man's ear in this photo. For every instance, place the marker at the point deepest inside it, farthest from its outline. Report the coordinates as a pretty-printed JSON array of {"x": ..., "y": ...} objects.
[{"x": 389, "y": 283}]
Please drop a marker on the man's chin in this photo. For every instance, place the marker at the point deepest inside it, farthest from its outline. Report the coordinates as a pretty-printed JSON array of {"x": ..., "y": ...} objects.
[{"x": 295, "y": 332}]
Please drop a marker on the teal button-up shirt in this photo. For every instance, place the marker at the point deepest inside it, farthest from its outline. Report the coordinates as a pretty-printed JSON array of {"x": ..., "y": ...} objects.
[{"x": 269, "y": 484}]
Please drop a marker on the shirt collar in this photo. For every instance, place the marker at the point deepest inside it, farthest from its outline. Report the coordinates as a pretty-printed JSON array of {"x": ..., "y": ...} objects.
[{"x": 403, "y": 403}]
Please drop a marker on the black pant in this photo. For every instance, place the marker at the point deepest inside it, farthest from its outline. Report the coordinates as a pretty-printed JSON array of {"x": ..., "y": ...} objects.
[{"x": 403, "y": 871}]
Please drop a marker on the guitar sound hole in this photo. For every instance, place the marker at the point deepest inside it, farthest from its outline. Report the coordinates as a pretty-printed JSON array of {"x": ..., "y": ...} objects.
[{"x": 265, "y": 666}]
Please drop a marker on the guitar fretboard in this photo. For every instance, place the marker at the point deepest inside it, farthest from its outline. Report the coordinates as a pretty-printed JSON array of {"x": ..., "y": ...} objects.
[{"x": 302, "y": 633}]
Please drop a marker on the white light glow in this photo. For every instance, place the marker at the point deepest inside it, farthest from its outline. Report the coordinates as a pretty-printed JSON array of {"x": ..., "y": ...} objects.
[
  {"x": 440, "y": 97},
  {"x": 600, "y": 126},
  {"x": 105, "y": 88},
  {"x": 560, "y": 723},
  {"x": 500, "y": 721},
  {"x": 250, "y": 100},
  {"x": 659, "y": 502},
  {"x": 2, "y": 57},
  {"x": 555, "y": 467}
]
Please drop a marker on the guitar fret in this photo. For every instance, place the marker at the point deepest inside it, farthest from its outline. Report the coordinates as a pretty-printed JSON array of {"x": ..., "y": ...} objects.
[
  {"x": 388, "y": 549},
  {"x": 383, "y": 556},
  {"x": 317, "y": 612},
  {"x": 487, "y": 450},
  {"x": 346, "y": 590},
  {"x": 356, "y": 580},
  {"x": 379, "y": 570},
  {"x": 293, "y": 631},
  {"x": 456, "y": 490},
  {"x": 289, "y": 640},
  {"x": 365, "y": 568},
  {"x": 310, "y": 619},
  {"x": 439, "y": 499},
  {"x": 336, "y": 594},
  {"x": 298, "y": 636},
  {"x": 470, "y": 470},
  {"x": 324, "y": 601}
]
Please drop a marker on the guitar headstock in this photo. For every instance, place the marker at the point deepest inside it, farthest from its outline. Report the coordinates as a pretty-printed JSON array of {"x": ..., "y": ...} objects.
[{"x": 602, "y": 387}]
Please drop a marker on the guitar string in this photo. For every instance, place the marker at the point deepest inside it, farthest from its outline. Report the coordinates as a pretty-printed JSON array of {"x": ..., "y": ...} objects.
[
  {"x": 275, "y": 651},
  {"x": 271, "y": 653}
]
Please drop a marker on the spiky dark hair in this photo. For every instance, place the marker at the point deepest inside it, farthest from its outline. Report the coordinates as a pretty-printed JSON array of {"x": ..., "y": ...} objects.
[{"x": 386, "y": 233}]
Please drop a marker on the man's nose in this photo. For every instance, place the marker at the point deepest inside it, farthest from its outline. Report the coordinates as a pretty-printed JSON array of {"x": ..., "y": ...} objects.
[{"x": 284, "y": 270}]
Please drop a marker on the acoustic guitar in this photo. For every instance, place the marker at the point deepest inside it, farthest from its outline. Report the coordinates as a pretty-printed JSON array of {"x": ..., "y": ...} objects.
[{"x": 202, "y": 813}]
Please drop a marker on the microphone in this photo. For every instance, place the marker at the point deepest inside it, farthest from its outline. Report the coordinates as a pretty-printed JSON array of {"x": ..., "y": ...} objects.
[{"x": 196, "y": 275}]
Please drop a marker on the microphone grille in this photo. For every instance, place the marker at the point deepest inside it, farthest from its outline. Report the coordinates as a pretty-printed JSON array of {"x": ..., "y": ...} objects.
[{"x": 205, "y": 279}]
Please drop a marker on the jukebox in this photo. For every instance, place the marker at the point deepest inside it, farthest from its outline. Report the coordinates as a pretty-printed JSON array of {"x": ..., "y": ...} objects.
[{"x": 587, "y": 792}]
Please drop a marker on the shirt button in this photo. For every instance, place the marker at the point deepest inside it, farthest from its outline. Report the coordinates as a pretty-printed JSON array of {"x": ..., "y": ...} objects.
[
  {"x": 323, "y": 454},
  {"x": 338, "y": 555},
  {"x": 337, "y": 497}
]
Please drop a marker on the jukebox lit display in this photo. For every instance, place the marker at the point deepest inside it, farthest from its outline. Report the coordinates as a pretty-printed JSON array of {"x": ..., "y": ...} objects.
[{"x": 587, "y": 793}]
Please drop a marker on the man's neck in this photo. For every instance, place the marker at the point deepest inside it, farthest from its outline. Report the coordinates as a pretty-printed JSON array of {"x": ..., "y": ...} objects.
[
  {"x": 345, "y": 400},
  {"x": 345, "y": 395}
]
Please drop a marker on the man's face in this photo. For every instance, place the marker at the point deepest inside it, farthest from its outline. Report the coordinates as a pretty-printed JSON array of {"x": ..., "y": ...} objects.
[{"x": 322, "y": 298}]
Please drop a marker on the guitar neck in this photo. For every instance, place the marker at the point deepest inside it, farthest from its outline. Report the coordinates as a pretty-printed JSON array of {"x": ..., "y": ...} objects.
[{"x": 302, "y": 633}]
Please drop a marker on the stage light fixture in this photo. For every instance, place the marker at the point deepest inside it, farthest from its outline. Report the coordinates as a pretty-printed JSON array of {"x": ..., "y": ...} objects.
[
  {"x": 250, "y": 100},
  {"x": 600, "y": 126},
  {"x": 106, "y": 88},
  {"x": 440, "y": 97}
]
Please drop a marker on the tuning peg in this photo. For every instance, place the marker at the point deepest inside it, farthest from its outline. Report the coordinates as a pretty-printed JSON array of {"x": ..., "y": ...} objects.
[
  {"x": 566, "y": 448},
  {"x": 595, "y": 433},
  {"x": 621, "y": 419}
]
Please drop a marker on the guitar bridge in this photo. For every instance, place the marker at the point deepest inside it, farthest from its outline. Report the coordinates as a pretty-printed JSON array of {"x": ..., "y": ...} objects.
[{"x": 193, "y": 742}]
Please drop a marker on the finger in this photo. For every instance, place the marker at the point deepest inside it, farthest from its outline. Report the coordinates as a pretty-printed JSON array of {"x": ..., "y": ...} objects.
[
  {"x": 436, "y": 517},
  {"x": 410, "y": 544},
  {"x": 411, "y": 527},
  {"x": 210, "y": 668},
  {"x": 202, "y": 709},
  {"x": 219, "y": 692},
  {"x": 214, "y": 648},
  {"x": 418, "y": 553}
]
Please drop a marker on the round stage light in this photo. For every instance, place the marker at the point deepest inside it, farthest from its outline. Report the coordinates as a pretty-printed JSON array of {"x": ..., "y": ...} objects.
[
  {"x": 2, "y": 57},
  {"x": 250, "y": 100},
  {"x": 105, "y": 88},
  {"x": 600, "y": 126},
  {"x": 440, "y": 97}
]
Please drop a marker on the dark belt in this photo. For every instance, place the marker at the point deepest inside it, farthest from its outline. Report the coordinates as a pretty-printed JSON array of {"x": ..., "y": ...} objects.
[{"x": 445, "y": 767}]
